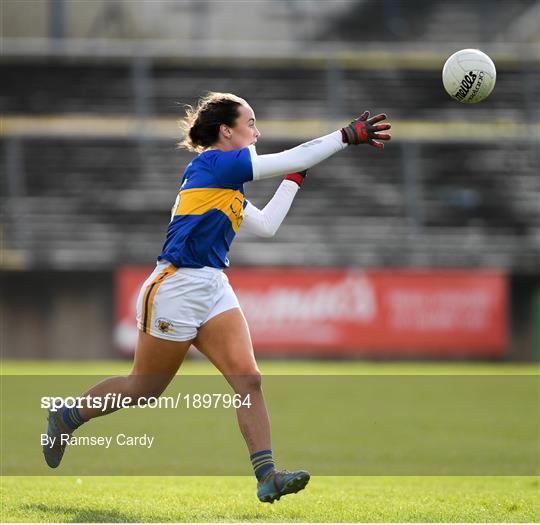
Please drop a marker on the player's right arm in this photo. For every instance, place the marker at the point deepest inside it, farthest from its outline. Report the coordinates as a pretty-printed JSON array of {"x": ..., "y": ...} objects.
[
  {"x": 265, "y": 222},
  {"x": 363, "y": 130}
]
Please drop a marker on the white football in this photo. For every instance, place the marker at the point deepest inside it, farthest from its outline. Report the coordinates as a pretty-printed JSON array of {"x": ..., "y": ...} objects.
[{"x": 469, "y": 76}]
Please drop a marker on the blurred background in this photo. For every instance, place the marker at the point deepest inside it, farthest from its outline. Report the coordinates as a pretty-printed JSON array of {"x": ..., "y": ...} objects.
[{"x": 430, "y": 248}]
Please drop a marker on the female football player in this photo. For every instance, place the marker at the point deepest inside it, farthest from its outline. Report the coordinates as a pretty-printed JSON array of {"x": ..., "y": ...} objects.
[{"x": 187, "y": 300}]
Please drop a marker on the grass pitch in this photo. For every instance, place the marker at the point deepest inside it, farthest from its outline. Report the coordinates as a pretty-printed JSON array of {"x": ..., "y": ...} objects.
[
  {"x": 326, "y": 499},
  {"x": 232, "y": 498}
]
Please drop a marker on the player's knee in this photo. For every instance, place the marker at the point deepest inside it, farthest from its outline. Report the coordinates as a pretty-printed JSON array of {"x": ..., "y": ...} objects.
[
  {"x": 247, "y": 382},
  {"x": 143, "y": 387},
  {"x": 254, "y": 381}
]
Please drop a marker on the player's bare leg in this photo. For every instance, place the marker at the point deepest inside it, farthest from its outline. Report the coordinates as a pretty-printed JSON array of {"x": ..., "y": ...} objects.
[
  {"x": 156, "y": 363},
  {"x": 225, "y": 340}
]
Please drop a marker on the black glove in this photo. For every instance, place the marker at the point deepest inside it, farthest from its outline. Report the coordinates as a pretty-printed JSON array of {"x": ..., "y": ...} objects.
[{"x": 362, "y": 130}]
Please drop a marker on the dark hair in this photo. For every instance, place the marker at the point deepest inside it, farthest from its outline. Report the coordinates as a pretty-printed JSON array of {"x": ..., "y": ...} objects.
[{"x": 201, "y": 123}]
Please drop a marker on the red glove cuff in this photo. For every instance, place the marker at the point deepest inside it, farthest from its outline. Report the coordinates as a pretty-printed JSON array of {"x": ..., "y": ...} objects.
[{"x": 295, "y": 177}]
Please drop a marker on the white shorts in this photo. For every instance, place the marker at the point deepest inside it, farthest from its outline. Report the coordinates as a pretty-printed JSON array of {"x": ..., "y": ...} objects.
[{"x": 175, "y": 302}]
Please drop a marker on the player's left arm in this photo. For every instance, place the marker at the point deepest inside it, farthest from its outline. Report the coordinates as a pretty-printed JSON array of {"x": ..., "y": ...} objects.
[
  {"x": 267, "y": 221},
  {"x": 362, "y": 130}
]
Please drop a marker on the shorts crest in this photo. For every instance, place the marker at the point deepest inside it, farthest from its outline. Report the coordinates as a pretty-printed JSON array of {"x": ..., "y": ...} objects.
[{"x": 164, "y": 325}]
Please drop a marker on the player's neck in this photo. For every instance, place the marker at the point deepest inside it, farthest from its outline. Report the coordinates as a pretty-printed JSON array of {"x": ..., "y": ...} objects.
[{"x": 224, "y": 145}]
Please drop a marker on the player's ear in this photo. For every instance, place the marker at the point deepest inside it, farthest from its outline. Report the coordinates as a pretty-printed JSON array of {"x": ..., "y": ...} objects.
[{"x": 225, "y": 131}]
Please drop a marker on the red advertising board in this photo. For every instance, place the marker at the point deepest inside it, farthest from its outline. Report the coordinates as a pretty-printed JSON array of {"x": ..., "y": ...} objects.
[{"x": 344, "y": 311}]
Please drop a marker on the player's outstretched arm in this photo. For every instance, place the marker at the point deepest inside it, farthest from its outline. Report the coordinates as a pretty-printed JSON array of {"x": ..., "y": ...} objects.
[
  {"x": 363, "y": 130},
  {"x": 265, "y": 222}
]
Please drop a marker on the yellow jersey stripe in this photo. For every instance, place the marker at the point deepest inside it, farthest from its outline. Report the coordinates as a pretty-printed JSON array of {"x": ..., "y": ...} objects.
[{"x": 197, "y": 201}]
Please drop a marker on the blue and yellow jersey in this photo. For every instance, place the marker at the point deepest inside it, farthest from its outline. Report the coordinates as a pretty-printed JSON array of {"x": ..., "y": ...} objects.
[{"x": 208, "y": 210}]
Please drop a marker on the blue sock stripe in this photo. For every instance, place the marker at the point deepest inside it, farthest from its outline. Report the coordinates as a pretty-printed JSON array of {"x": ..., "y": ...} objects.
[
  {"x": 75, "y": 416},
  {"x": 260, "y": 453},
  {"x": 72, "y": 418},
  {"x": 262, "y": 465},
  {"x": 269, "y": 455},
  {"x": 259, "y": 462},
  {"x": 262, "y": 462},
  {"x": 262, "y": 456}
]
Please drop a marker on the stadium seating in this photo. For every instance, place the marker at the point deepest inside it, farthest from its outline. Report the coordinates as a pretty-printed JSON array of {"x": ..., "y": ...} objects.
[
  {"x": 99, "y": 203},
  {"x": 74, "y": 201},
  {"x": 424, "y": 21},
  {"x": 278, "y": 92}
]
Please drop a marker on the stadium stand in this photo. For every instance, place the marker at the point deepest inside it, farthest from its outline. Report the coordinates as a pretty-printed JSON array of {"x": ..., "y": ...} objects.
[
  {"x": 96, "y": 198},
  {"x": 426, "y": 21},
  {"x": 296, "y": 91},
  {"x": 96, "y": 204}
]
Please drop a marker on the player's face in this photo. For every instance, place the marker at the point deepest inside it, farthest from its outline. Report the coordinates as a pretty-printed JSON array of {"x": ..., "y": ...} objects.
[{"x": 244, "y": 132}]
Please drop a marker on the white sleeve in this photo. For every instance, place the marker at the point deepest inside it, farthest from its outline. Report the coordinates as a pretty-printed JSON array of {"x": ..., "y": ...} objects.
[
  {"x": 266, "y": 222},
  {"x": 296, "y": 159}
]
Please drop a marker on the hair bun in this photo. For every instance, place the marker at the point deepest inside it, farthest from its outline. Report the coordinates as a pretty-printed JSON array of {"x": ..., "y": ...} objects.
[{"x": 194, "y": 133}]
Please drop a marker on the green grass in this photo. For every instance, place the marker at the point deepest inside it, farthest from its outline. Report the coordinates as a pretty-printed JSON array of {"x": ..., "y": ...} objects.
[
  {"x": 59, "y": 498},
  {"x": 277, "y": 367},
  {"x": 326, "y": 499}
]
